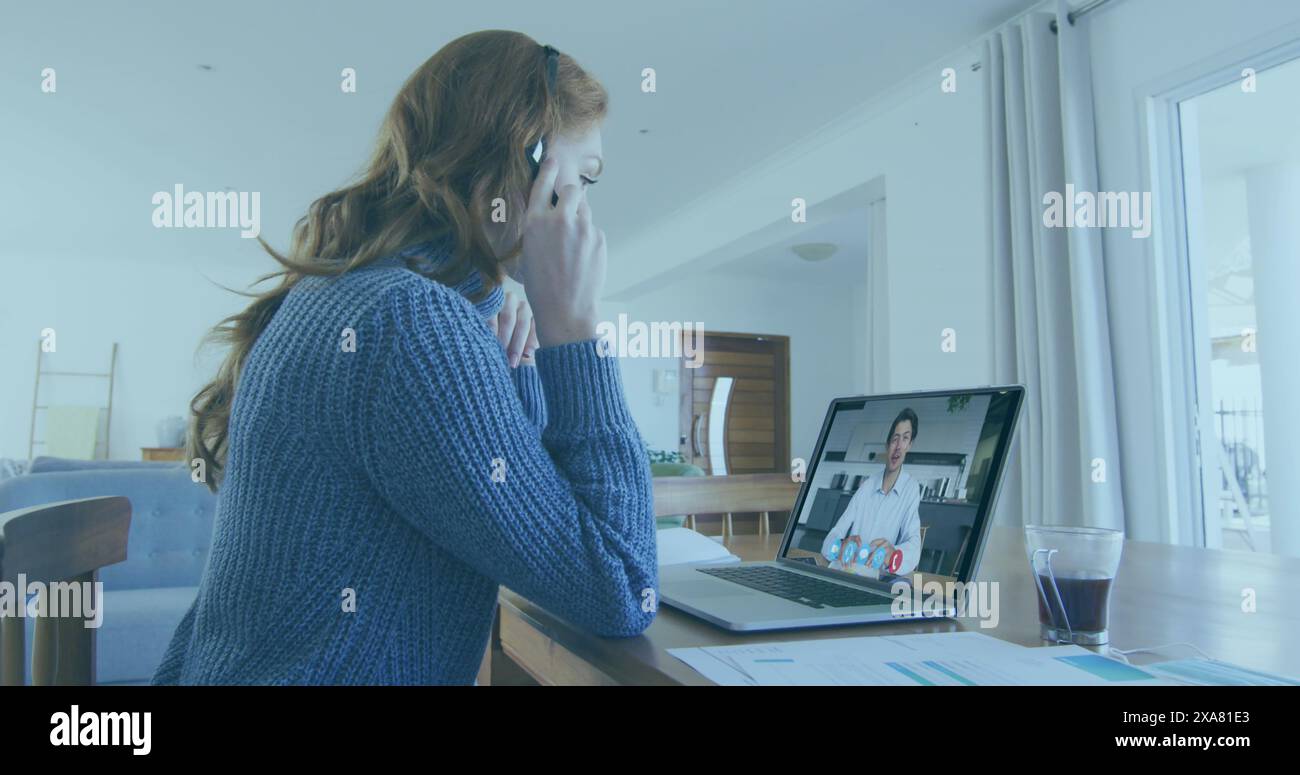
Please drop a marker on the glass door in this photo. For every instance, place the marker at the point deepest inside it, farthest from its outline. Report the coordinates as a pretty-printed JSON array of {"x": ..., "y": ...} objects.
[{"x": 1241, "y": 172}]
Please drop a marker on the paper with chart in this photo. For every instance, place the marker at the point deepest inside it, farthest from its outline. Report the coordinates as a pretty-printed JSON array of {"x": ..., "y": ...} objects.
[
  {"x": 933, "y": 659},
  {"x": 1211, "y": 672}
]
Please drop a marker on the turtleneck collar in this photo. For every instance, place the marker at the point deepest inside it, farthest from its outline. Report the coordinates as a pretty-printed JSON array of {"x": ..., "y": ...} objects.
[{"x": 427, "y": 256}]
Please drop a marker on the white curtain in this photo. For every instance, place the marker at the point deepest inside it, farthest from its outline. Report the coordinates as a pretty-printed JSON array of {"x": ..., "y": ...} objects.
[
  {"x": 1051, "y": 327},
  {"x": 878, "y": 293}
]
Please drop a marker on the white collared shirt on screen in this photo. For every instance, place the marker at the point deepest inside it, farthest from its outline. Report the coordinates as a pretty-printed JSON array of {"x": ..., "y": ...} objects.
[{"x": 894, "y": 516}]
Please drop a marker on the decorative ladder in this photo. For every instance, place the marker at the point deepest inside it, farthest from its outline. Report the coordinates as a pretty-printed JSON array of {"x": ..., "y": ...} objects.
[{"x": 110, "y": 375}]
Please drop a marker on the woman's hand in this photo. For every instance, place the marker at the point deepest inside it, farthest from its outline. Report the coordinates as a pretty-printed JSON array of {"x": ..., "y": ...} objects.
[
  {"x": 514, "y": 328},
  {"x": 562, "y": 264}
]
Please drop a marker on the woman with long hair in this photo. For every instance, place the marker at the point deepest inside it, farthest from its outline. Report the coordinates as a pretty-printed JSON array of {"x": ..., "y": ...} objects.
[{"x": 390, "y": 437}]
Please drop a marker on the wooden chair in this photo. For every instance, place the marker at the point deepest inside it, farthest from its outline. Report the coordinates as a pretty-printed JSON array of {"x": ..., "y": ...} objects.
[
  {"x": 726, "y": 495},
  {"x": 57, "y": 542}
]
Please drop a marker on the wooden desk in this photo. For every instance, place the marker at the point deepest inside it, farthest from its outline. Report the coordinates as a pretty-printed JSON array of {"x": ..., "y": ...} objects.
[{"x": 1163, "y": 594}]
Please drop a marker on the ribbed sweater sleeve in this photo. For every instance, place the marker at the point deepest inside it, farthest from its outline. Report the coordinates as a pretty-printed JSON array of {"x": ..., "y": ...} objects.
[
  {"x": 562, "y": 517},
  {"x": 529, "y": 387}
]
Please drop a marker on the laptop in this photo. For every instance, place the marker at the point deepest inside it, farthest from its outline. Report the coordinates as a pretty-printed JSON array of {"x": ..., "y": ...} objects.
[{"x": 899, "y": 493}]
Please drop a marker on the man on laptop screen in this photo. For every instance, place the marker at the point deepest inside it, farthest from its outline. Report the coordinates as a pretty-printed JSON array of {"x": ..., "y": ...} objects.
[
  {"x": 885, "y": 502},
  {"x": 884, "y": 515}
]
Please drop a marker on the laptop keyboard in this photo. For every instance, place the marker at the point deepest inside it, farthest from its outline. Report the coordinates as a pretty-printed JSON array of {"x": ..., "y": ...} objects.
[{"x": 796, "y": 587}]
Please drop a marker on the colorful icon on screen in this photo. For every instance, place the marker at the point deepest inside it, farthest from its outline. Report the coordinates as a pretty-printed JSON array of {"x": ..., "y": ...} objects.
[
  {"x": 895, "y": 561},
  {"x": 849, "y": 552},
  {"x": 834, "y": 552}
]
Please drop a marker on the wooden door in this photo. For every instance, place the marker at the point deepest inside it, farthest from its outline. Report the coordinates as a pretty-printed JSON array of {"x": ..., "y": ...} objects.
[{"x": 734, "y": 406}]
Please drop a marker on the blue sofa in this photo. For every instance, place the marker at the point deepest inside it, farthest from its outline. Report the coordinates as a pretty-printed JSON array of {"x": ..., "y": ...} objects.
[{"x": 171, "y": 532}]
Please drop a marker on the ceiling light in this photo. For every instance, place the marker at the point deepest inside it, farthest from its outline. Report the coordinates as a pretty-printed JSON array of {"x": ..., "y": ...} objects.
[{"x": 815, "y": 251}]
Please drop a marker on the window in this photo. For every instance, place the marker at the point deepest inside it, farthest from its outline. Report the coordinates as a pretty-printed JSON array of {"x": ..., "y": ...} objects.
[{"x": 1241, "y": 175}]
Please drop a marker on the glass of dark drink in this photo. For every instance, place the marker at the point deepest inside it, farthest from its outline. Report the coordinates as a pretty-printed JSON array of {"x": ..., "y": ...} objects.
[{"x": 1074, "y": 569}]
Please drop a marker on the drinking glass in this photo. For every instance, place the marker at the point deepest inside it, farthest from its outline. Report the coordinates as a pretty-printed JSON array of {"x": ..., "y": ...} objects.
[{"x": 1074, "y": 569}]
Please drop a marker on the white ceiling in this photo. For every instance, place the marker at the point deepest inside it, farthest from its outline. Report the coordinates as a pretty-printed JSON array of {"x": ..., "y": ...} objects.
[
  {"x": 778, "y": 262},
  {"x": 134, "y": 112}
]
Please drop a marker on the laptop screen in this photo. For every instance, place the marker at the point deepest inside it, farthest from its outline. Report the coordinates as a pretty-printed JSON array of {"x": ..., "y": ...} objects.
[{"x": 903, "y": 484}]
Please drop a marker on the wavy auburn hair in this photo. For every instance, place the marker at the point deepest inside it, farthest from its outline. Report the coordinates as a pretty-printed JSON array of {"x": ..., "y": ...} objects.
[{"x": 452, "y": 141}]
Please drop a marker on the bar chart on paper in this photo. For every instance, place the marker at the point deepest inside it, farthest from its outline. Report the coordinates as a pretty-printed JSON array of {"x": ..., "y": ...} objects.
[{"x": 940, "y": 659}]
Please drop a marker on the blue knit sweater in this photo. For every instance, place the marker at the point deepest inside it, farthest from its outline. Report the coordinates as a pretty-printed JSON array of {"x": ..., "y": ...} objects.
[{"x": 376, "y": 496}]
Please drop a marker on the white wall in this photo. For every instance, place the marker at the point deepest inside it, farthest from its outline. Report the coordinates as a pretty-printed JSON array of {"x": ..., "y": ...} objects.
[
  {"x": 813, "y": 316},
  {"x": 156, "y": 310},
  {"x": 929, "y": 147}
]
